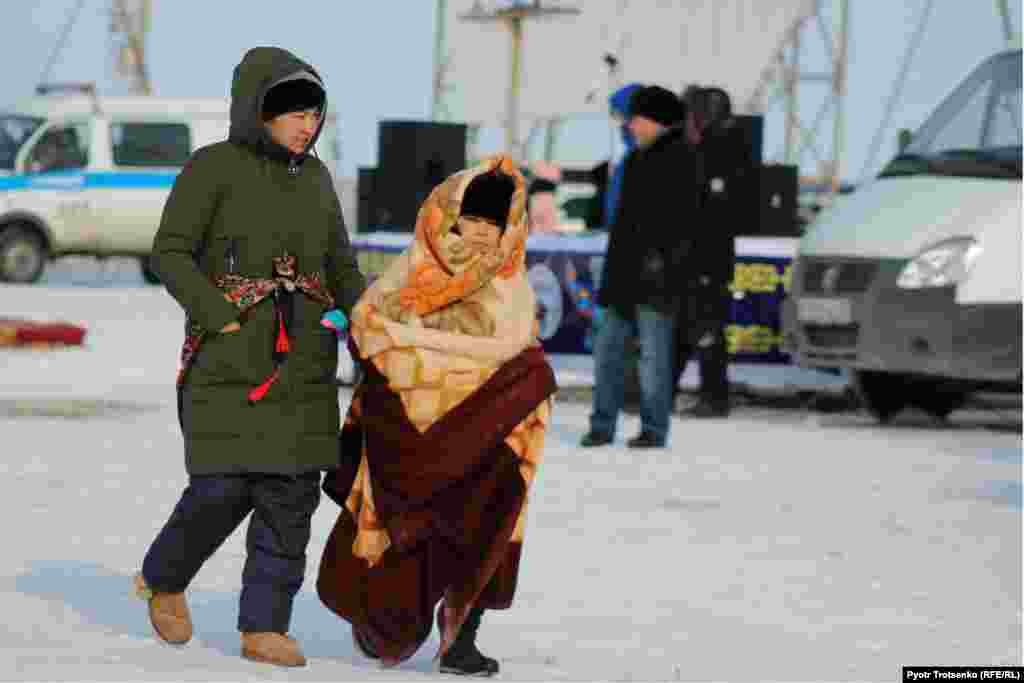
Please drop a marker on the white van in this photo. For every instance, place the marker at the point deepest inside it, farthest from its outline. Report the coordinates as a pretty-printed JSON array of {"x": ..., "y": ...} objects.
[
  {"x": 913, "y": 282},
  {"x": 83, "y": 174}
]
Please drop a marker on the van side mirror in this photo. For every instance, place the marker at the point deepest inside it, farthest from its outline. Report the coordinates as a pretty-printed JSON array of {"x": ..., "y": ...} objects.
[{"x": 903, "y": 139}]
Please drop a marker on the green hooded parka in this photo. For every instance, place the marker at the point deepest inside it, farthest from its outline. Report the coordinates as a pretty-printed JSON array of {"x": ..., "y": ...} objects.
[{"x": 235, "y": 206}]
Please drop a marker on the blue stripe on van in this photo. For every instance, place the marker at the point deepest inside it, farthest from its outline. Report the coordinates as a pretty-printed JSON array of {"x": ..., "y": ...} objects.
[
  {"x": 131, "y": 179},
  {"x": 75, "y": 180},
  {"x": 13, "y": 182}
]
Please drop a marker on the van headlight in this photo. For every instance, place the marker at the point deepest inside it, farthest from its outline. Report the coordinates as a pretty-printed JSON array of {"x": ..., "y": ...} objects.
[{"x": 941, "y": 265}]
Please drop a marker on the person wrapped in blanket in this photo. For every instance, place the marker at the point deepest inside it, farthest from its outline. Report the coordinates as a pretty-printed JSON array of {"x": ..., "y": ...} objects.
[{"x": 445, "y": 432}]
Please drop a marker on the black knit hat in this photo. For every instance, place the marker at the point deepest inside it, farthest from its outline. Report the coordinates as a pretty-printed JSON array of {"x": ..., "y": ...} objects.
[
  {"x": 658, "y": 104},
  {"x": 718, "y": 106},
  {"x": 298, "y": 94},
  {"x": 489, "y": 196}
]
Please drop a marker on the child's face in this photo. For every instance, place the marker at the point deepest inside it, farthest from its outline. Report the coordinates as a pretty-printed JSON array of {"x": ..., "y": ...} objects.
[{"x": 479, "y": 234}]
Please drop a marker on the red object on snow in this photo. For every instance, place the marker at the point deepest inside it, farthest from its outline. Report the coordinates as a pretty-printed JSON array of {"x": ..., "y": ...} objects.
[{"x": 14, "y": 332}]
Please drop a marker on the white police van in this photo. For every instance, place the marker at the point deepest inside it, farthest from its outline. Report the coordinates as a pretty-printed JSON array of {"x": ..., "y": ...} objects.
[
  {"x": 913, "y": 282},
  {"x": 88, "y": 175}
]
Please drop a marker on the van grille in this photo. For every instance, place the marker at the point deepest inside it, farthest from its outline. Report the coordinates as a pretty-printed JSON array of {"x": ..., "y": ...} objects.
[
  {"x": 823, "y": 276},
  {"x": 832, "y": 336}
]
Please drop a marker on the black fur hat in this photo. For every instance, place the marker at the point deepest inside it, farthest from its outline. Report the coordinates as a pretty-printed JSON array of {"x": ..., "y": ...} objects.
[
  {"x": 295, "y": 95},
  {"x": 489, "y": 196},
  {"x": 658, "y": 104}
]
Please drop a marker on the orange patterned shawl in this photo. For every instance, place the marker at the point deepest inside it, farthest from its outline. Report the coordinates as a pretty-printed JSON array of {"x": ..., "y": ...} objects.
[{"x": 419, "y": 324}]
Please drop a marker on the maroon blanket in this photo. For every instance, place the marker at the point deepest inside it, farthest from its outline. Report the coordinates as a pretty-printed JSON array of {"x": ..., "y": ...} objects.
[{"x": 449, "y": 498}]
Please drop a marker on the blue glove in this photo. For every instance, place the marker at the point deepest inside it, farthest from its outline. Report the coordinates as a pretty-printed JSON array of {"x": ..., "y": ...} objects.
[
  {"x": 335, "y": 320},
  {"x": 598, "y": 317}
]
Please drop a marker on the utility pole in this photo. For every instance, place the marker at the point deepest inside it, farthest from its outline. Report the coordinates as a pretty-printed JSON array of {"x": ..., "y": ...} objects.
[
  {"x": 130, "y": 22},
  {"x": 440, "y": 62},
  {"x": 839, "y": 84},
  {"x": 513, "y": 16},
  {"x": 790, "y": 82}
]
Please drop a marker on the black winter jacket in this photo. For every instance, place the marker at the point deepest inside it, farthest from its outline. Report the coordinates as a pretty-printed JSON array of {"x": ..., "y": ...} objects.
[
  {"x": 651, "y": 238},
  {"x": 727, "y": 192}
]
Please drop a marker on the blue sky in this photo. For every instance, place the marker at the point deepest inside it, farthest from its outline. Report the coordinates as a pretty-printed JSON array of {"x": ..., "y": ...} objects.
[{"x": 376, "y": 58}]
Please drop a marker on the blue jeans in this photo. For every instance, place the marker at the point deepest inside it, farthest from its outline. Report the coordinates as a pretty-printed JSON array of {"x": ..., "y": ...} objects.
[
  {"x": 655, "y": 331},
  {"x": 210, "y": 509}
]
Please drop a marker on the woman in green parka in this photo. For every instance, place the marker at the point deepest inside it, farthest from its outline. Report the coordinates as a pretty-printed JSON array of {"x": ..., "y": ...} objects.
[{"x": 253, "y": 246}]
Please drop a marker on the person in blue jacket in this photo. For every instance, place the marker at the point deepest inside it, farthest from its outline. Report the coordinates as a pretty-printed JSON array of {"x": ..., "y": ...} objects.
[{"x": 619, "y": 106}]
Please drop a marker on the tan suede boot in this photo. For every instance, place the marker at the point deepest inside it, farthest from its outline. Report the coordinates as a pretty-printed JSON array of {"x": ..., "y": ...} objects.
[
  {"x": 168, "y": 613},
  {"x": 272, "y": 648}
]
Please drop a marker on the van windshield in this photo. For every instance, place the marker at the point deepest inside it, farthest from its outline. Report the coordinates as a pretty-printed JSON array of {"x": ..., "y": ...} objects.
[
  {"x": 976, "y": 131},
  {"x": 14, "y": 131}
]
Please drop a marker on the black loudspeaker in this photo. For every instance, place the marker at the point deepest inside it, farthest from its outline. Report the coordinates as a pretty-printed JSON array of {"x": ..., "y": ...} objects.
[
  {"x": 752, "y": 132},
  {"x": 368, "y": 216},
  {"x": 734, "y": 154},
  {"x": 778, "y": 201},
  {"x": 413, "y": 157}
]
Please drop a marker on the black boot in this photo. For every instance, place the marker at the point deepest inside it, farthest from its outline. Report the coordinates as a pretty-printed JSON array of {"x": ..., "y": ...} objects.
[
  {"x": 363, "y": 645},
  {"x": 706, "y": 408},
  {"x": 462, "y": 658},
  {"x": 646, "y": 439},
  {"x": 595, "y": 438}
]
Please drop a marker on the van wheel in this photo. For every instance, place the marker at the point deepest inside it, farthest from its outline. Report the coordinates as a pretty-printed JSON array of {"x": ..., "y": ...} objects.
[
  {"x": 22, "y": 255},
  {"x": 147, "y": 271},
  {"x": 883, "y": 394}
]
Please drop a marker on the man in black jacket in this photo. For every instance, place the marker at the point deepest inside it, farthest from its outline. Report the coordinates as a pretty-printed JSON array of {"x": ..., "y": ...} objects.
[
  {"x": 726, "y": 164},
  {"x": 644, "y": 270}
]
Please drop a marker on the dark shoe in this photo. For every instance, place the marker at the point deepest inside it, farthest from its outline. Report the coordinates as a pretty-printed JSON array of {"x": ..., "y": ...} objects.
[
  {"x": 462, "y": 658},
  {"x": 646, "y": 439},
  {"x": 363, "y": 645},
  {"x": 592, "y": 439},
  {"x": 468, "y": 662},
  {"x": 706, "y": 409}
]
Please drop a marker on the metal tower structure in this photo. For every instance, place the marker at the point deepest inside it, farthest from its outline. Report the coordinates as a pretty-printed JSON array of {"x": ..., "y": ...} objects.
[
  {"x": 65, "y": 33},
  {"x": 782, "y": 78},
  {"x": 129, "y": 24},
  {"x": 514, "y": 15},
  {"x": 438, "y": 110},
  {"x": 792, "y": 70}
]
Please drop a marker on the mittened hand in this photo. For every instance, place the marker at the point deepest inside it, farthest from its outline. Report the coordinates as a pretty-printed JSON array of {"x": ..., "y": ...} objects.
[{"x": 335, "y": 320}]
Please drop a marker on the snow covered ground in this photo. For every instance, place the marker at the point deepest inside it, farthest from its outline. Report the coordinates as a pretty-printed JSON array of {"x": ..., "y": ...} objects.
[{"x": 776, "y": 545}]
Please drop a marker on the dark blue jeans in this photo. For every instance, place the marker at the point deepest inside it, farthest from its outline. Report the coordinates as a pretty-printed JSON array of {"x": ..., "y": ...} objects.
[
  {"x": 656, "y": 333},
  {"x": 210, "y": 509}
]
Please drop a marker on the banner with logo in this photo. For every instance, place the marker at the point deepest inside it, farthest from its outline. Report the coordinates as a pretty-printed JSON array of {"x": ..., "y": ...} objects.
[{"x": 565, "y": 271}]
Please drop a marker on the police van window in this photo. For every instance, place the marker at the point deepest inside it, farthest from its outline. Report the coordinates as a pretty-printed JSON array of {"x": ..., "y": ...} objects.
[
  {"x": 14, "y": 132},
  {"x": 60, "y": 149},
  {"x": 150, "y": 144},
  {"x": 983, "y": 113},
  {"x": 975, "y": 132},
  {"x": 963, "y": 131}
]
